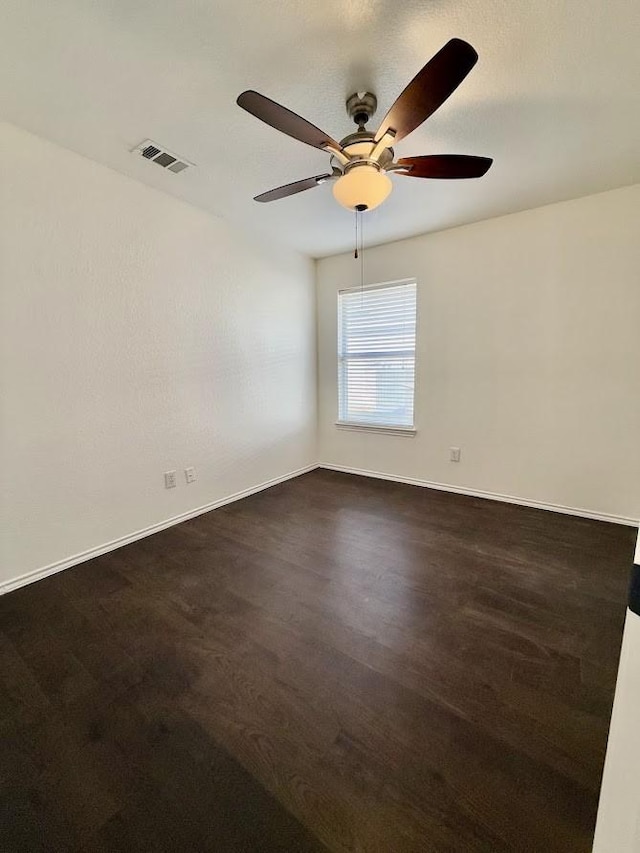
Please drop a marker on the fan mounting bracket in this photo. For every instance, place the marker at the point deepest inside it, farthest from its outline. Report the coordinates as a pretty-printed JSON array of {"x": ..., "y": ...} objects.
[{"x": 361, "y": 106}]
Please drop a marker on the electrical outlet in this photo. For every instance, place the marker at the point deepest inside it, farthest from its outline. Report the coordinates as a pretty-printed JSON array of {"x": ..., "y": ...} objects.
[
  {"x": 454, "y": 454},
  {"x": 170, "y": 479},
  {"x": 189, "y": 474}
]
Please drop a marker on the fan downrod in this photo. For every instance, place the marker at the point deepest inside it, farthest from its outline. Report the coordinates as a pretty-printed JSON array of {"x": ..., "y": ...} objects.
[{"x": 361, "y": 106}]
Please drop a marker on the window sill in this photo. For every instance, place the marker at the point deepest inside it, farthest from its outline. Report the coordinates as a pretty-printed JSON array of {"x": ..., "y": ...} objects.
[{"x": 407, "y": 432}]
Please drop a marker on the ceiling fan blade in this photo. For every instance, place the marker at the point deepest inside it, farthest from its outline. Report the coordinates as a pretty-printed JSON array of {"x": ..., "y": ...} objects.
[
  {"x": 284, "y": 120},
  {"x": 429, "y": 89},
  {"x": 292, "y": 189},
  {"x": 444, "y": 166}
]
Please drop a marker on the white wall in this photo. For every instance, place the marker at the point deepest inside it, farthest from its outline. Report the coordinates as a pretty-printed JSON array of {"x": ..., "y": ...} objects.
[
  {"x": 137, "y": 335},
  {"x": 528, "y": 353},
  {"x": 618, "y": 825}
]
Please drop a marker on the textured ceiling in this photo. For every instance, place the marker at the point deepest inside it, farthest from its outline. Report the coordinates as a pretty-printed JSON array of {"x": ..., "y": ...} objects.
[{"x": 554, "y": 99}]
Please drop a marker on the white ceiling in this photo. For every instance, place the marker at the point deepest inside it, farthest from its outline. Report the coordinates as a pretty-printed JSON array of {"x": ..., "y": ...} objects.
[{"x": 554, "y": 99}]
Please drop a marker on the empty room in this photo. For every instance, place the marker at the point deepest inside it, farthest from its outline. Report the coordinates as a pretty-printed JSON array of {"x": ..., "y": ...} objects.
[{"x": 319, "y": 426}]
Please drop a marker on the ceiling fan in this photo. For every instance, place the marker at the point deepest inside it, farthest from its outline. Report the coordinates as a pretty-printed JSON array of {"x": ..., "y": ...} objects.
[{"x": 360, "y": 162}]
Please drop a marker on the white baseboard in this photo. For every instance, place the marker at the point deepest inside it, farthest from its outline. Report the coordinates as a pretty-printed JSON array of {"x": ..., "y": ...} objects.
[
  {"x": 494, "y": 496},
  {"x": 68, "y": 562}
]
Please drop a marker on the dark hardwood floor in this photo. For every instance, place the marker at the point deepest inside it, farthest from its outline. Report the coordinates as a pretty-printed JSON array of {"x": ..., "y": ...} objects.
[{"x": 337, "y": 663}]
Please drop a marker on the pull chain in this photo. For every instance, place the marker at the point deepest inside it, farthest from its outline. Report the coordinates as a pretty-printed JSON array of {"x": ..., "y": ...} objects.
[
  {"x": 359, "y": 250},
  {"x": 361, "y": 254},
  {"x": 355, "y": 254}
]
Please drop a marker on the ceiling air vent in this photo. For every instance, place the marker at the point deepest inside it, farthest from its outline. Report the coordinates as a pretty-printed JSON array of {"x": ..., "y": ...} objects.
[{"x": 157, "y": 154}]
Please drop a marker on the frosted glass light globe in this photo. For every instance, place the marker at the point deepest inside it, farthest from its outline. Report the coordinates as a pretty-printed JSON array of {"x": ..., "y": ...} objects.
[{"x": 362, "y": 185}]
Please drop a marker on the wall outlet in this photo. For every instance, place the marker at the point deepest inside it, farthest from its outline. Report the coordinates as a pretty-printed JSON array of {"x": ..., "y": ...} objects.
[
  {"x": 170, "y": 479},
  {"x": 189, "y": 474},
  {"x": 454, "y": 454}
]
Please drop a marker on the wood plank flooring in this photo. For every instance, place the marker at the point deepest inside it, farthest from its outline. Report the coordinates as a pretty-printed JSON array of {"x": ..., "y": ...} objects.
[{"x": 336, "y": 663}]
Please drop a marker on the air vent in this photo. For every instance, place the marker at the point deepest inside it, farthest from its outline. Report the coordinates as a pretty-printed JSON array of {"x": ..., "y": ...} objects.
[
  {"x": 150, "y": 152},
  {"x": 161, "y": 156}
]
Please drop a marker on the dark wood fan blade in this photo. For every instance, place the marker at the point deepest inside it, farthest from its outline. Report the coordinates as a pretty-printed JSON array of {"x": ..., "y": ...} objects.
[
  {"x": 284, "y": 120},
  {"x": 291, "y": 189},
  {"x": 429, "y": 89},
  {"x": 445, "y": 166}
]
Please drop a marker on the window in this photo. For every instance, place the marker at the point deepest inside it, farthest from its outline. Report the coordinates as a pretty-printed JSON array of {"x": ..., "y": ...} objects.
[{"x": 376, "y": 355}]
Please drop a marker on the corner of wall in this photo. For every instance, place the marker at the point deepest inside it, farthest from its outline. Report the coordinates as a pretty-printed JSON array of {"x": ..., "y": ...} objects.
[{"x": 315, "y": 263}]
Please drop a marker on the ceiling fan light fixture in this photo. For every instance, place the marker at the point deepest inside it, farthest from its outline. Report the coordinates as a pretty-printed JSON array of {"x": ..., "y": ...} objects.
[
  {"x": 362, "y": 187},
  {"x": 360, "y": 161}
]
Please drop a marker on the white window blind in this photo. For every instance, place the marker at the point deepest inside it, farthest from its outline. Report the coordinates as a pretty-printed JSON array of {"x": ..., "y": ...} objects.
[{"x": 376, "y": 355}]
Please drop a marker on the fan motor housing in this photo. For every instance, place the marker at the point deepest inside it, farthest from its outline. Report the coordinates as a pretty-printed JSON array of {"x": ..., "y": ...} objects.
[{"x": 359, "y": 146}]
